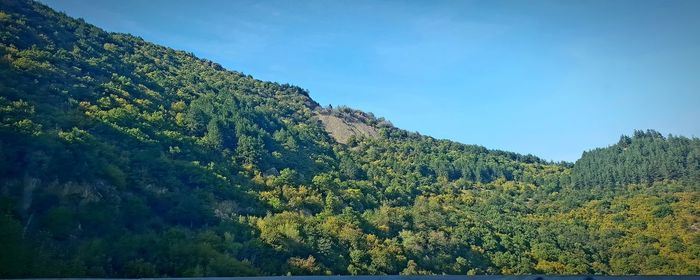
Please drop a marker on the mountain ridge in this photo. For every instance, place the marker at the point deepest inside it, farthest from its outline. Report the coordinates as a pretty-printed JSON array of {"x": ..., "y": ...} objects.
[{"x": 122, "y": 158}]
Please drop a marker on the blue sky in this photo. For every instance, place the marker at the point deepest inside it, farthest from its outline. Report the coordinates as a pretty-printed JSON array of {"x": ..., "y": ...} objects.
[{"x": 551, "y": 78}]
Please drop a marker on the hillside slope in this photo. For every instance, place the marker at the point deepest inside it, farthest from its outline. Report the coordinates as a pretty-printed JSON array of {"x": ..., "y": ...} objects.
[
  {"x": 122, "y": 158},
  {"x": 345, "y": 123}
]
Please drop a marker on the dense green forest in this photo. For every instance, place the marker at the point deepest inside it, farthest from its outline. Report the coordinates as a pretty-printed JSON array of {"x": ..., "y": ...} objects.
[{"x": 122, "y": 158}]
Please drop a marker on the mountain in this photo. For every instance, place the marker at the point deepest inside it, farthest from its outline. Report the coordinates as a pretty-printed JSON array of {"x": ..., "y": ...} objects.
[
  {"x": 122, "y": 158},
  {"x": 645, "y": 158}
]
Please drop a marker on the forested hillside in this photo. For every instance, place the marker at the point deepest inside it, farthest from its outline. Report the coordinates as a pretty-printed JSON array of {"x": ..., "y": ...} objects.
[
  {"x": 645, "y": 158},
  {"x": 122, "y": 158}
]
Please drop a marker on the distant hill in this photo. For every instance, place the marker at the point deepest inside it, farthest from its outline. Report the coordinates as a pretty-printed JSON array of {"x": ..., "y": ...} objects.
[
  {"x": 645, "y": 157},
  {"x": 122, "y": 158}
]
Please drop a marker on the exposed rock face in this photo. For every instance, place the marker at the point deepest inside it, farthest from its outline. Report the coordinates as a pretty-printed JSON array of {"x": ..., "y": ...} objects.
[{"x": 342, "y": 129}]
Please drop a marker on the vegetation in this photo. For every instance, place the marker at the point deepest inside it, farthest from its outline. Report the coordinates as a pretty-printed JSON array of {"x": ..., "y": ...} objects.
[
  {"x": 645, "y": 158},
  {"x": 121, "y": 158}
]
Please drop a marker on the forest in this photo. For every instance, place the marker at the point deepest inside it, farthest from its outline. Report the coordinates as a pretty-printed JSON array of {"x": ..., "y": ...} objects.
[{"x": 123, "y": 158}]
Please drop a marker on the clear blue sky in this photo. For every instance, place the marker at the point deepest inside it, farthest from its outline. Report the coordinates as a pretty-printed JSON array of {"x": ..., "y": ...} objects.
[{"x": 551, "y": 78}]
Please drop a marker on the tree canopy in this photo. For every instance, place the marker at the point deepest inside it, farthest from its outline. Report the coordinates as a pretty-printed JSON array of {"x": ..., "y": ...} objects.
[{"x": 122, "y": 158}]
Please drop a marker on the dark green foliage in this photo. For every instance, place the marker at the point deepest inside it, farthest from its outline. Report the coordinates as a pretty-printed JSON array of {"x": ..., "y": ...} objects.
[
  {"x": 645, "y": 158},
  {"x": 121, "y": 158}
]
